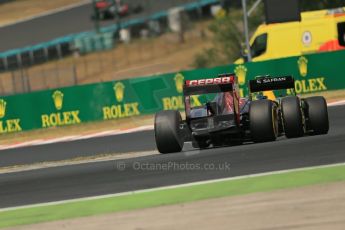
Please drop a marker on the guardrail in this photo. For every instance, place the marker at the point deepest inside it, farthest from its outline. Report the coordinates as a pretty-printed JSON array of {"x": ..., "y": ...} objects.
[
  {"x": 63, "y": 46},
  {"x": 147, "y": 95}
]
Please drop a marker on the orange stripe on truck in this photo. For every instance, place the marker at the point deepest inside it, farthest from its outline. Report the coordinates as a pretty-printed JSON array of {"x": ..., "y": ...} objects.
[{"x": 331, "y": 46}]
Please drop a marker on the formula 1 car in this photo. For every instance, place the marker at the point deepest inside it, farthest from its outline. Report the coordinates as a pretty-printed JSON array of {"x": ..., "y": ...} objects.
[
  {"x": 110, "y": 9},
  {"x": 217, "y": 116}
]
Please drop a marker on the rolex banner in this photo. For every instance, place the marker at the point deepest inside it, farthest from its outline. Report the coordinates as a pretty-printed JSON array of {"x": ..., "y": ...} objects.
[{"x": 147, "y": 95}]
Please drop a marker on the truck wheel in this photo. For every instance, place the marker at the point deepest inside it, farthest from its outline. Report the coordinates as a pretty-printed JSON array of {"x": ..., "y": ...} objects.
[
  {"x": 167, "y": 131},
  {"x": 292, "y": 117},
  {"x": 263, "y": 121},
  {"x": 317, "y": 115}
]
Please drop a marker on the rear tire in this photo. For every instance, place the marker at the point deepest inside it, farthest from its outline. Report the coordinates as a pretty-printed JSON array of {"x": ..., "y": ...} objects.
[
  {"x": 263, "y": 121},
  {"x": 317, "y": 115},
  {"x": 168, "y": 134},
  {"x": 292, "y": 117}
]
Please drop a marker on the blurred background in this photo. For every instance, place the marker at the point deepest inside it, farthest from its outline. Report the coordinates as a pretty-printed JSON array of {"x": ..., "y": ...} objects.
[{"x": 81, "y": 42}]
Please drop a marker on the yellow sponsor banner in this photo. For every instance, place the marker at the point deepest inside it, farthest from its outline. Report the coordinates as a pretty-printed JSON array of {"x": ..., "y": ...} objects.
[
  {"x": 310, "y": 85},
  {"x": 121, "y": 111},
  {"x": 177, "y": 103},
  {"x": 59, "y": 118},
  {"x": 8, "y": 125}
]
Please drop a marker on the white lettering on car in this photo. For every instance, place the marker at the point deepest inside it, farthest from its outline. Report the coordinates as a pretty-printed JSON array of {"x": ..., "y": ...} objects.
[{"x": 211, "y": 81}]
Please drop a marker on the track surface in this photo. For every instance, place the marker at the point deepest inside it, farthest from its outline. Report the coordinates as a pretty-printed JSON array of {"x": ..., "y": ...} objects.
[
  {"x": 67, "y": 22},
  {"x": 91, "y": 179},
  {"x": 80, "y": 148}
]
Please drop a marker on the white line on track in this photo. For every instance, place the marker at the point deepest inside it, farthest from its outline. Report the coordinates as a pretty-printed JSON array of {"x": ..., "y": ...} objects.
[
  {"x": 76, "y": 137},
  {"x": 77, "y": 161},
  {"x": 169, "y": 187},
  {"x": 336, "y": 103}
]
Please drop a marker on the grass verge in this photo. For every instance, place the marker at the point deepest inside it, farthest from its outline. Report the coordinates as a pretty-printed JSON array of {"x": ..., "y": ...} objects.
[{"x": 172, "y": 196}]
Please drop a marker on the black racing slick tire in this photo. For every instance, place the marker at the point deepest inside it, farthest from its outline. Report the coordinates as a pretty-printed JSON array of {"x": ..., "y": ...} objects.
[
  {"x": 292, "y": 117},
  {"x": 263, "y": 121},
  {"x": 317, "y": 115},
  {"x": 168, "y": 134}
]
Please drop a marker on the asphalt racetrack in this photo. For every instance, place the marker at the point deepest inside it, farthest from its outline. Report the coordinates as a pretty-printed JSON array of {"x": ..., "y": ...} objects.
[
  {"x": 68, "y": 182},
  {"x": 141, "y": 141}
]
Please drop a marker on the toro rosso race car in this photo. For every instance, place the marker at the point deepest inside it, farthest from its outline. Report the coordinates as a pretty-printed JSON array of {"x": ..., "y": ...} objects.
[
  {"x": 110, "y": 9},
  {"x": 219, "y": 117}
]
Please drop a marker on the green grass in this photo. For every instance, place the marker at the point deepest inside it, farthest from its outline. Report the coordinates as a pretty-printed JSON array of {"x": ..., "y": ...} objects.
[{"x": 172, "y": 196}]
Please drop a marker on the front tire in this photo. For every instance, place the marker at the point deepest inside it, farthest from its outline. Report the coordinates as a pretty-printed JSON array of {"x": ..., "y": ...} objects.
[
  {"x": 263, "y": 121},
  {"x": 317, "y": 115},
  {"x": 168, "y": 134},
  {"x": 292, "y": 117}
]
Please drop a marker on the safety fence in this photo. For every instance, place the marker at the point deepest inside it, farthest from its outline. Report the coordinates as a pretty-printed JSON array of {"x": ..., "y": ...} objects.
[
  {"x": 147, "y": 95},
  {"x": 121, "y": 62}
]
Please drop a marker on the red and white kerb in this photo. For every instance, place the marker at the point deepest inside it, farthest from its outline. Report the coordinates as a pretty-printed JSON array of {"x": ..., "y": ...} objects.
[{"x": 211, "y": 81}]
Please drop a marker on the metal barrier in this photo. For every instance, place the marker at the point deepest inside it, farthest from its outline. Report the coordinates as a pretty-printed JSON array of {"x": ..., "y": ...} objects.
[{"x": 98, "y": 66}]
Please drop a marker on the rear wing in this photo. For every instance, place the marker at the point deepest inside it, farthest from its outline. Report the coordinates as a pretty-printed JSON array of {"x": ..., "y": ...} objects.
[
  {"x": 223, "y": 83},
  {"x": 268, "y": 83}
]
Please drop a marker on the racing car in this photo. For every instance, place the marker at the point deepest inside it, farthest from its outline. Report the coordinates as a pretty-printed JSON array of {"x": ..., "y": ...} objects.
[
  {"x": 215, "y": 115},
  {"x": 110, "y": 9}
]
